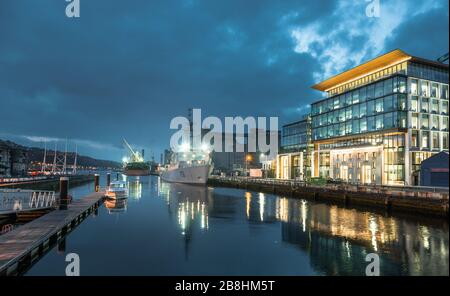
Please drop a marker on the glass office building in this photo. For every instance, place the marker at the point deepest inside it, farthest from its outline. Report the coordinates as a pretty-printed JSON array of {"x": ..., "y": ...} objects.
[
  {"x": 294, "y": 159},
  {"x": 380, "y": 120}
]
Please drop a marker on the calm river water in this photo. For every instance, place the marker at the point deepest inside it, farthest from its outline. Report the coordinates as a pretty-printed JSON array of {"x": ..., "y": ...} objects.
[{"x": 171, "y": 229}]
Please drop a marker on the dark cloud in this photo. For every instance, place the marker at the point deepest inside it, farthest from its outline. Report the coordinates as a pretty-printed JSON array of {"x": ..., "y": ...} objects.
[{"x": 126, "y": 68}]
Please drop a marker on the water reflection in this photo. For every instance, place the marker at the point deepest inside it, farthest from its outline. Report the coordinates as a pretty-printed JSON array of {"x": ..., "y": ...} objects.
[
  {"x": 193, "y": 230},
  {"x": 116, "y": 205},
  {"x": 336, "y": 239}
]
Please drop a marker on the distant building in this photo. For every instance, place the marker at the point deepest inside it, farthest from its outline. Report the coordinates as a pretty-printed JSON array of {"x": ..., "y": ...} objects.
[
  {"x": 434, "y": 171},
  {"x": 241, "y": 162},
  {"x": 168, "y": 153},
  {"x": 13, "y": 160}
]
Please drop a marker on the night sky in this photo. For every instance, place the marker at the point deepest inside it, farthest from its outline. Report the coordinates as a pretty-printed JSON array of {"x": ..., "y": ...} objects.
[{"x": 124, "y": 69}]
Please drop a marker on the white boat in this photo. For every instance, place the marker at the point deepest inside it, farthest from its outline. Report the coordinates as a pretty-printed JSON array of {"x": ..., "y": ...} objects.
[
  {"x": 188, "y": 167},
  {"x": 117, "y": 190},
  {"x": 186, "y": 174}
]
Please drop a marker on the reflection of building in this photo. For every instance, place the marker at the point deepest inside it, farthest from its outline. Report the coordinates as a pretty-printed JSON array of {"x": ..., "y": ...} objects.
[
  {"x": 338, "y": 240},
  {"x": 294, "y": 159},
  {"x": 380, "y": 120},
  {"x": 13, "y": 159}
]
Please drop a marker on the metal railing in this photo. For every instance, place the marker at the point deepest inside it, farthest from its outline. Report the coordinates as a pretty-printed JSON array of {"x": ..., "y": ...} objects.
[
  {"x": 14, "y": 200},
  {"x": 395, "y": 190}
]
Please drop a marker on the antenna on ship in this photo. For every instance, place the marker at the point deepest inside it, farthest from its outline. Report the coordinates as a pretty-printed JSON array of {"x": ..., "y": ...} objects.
[
  {"x": 44, "y": 162},
  {"x": 74, "y": 168},
  {"x": 54, "y": 159},
  {"x": 65, "y": 160}
]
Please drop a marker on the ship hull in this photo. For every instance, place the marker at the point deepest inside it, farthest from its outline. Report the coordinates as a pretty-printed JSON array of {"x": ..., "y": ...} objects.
[
  {"x": 128, "y": 172},
  {"x": 187, "y": 175}
]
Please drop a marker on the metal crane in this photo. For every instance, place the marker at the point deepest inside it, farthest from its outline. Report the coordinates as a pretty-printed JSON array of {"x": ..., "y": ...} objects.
[
  {"x": 443, "y": 58},
  {"x": 134, "y": 155}
]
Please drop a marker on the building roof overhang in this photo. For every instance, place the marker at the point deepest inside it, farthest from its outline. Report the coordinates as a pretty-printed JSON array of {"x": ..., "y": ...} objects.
[{"x": 389, "y": 59}]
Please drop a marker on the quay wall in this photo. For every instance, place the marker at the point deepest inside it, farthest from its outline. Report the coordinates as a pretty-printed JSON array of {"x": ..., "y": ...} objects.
[{"x": 424, "y": 201}]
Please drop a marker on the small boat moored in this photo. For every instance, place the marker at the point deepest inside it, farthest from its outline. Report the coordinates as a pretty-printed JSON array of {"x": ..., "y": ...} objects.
[{"x": 117, "y": 190}]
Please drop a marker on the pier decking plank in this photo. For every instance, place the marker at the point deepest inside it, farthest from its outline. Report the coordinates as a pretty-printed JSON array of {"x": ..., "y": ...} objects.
[{"x": 21, "y": 241}]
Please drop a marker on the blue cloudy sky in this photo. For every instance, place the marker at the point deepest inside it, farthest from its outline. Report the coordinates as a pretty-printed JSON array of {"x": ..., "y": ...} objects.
[{"x": 126, "y": 68}]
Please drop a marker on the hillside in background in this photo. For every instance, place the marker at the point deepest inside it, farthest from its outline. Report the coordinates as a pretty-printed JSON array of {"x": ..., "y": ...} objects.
[{"x": 37, "y": 155}]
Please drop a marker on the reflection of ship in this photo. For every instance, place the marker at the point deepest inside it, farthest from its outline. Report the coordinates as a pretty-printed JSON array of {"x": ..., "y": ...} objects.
[
  {"x": 134, "y": 164},
  {"x": 116, "y": 205},
  {"x": 188, "y": 166}
]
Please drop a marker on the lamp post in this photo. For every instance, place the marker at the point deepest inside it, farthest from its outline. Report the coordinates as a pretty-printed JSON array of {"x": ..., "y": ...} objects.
[{"x": 247, "y": 159}]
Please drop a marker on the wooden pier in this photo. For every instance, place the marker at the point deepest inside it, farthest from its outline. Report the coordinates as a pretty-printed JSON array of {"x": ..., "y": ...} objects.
[{"x": 20, "y": 248}]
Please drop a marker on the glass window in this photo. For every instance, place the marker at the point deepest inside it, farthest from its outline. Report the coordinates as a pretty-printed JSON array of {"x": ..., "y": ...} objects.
[
  {"x": 348, "y": 113},
  {"x": 444, "y": 107},
  {"x": 445, "y": 141},
  {"x": 435, "y": 140},
  {"x": 356, "y": 126},
  {"x": 362, "y": 110},
  {"x": 444, "y": 92},
  {"x": 341, "y": 101},
  {"x": 370, "y": 107},
  {"x": 444, "y": 123},
  {"x": 401, "y": 102},
  {"x": 415, "y": 104},
  {"x": 348, "y": 98},
  {"x": 341, "y": 115},
  {"x": 363, "y": 125},
  {"x": 402, "y": 84},
  {"x": 355, "y": 111},
  {"x": 379, "y": 105},
  {"x": 387, "y": 86},
  {"x": 342, "y": 129},
  {"x": 371, "y": 91},
  {"x": 336, "y": 103},
  {"x": 355, "y": 96},
  {"x": 388, "y": 120},
  {"x": 414, "y": 139},
  {"x": 424, "y": 108},
  {"x": 371, "y": 123},
  {"x": 425, "y": 121},
  {"x": 414, "y": 87},
  {"x": 435, "y": 106},
  {"x": 415, "y": 121},
  {"x": 362, "y": 94},
  {"x": 348, "y": 127},
  {"x": 402, "y": 119},
  {"x": 388, "y": 105},
  {"x": 424, "y": 89},
  {"x": 379, "y": 122},
  {"x": 434, "y": 90},
  {"x": 379, "y": 89},
  {"x": 425, "y": 139},
  {"x": 435, "y": 122}
]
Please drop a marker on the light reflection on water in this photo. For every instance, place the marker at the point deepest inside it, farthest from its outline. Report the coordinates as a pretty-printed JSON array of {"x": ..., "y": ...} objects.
[{"x": 173, "y": 229}]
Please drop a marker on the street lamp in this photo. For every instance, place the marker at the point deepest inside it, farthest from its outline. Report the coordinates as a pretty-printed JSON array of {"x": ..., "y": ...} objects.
[{"x": 247, "y": 159}]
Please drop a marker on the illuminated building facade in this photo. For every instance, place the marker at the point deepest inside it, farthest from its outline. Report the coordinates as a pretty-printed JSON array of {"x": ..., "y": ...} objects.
[
  {"x": 294, "y": 159},
  {"x": 380, "y": 120}
]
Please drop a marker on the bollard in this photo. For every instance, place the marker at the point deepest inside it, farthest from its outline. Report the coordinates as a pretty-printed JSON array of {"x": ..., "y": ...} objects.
[
  {"x": 63, "y": 193},
  {"x": 108, "y": 179},
  {"x": 97, "y": 182},
  {"x": 62, "y": 246}
]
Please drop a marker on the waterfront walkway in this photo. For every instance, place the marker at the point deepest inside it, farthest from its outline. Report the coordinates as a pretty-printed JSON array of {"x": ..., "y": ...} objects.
[{"x": 22, "y": 246}]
